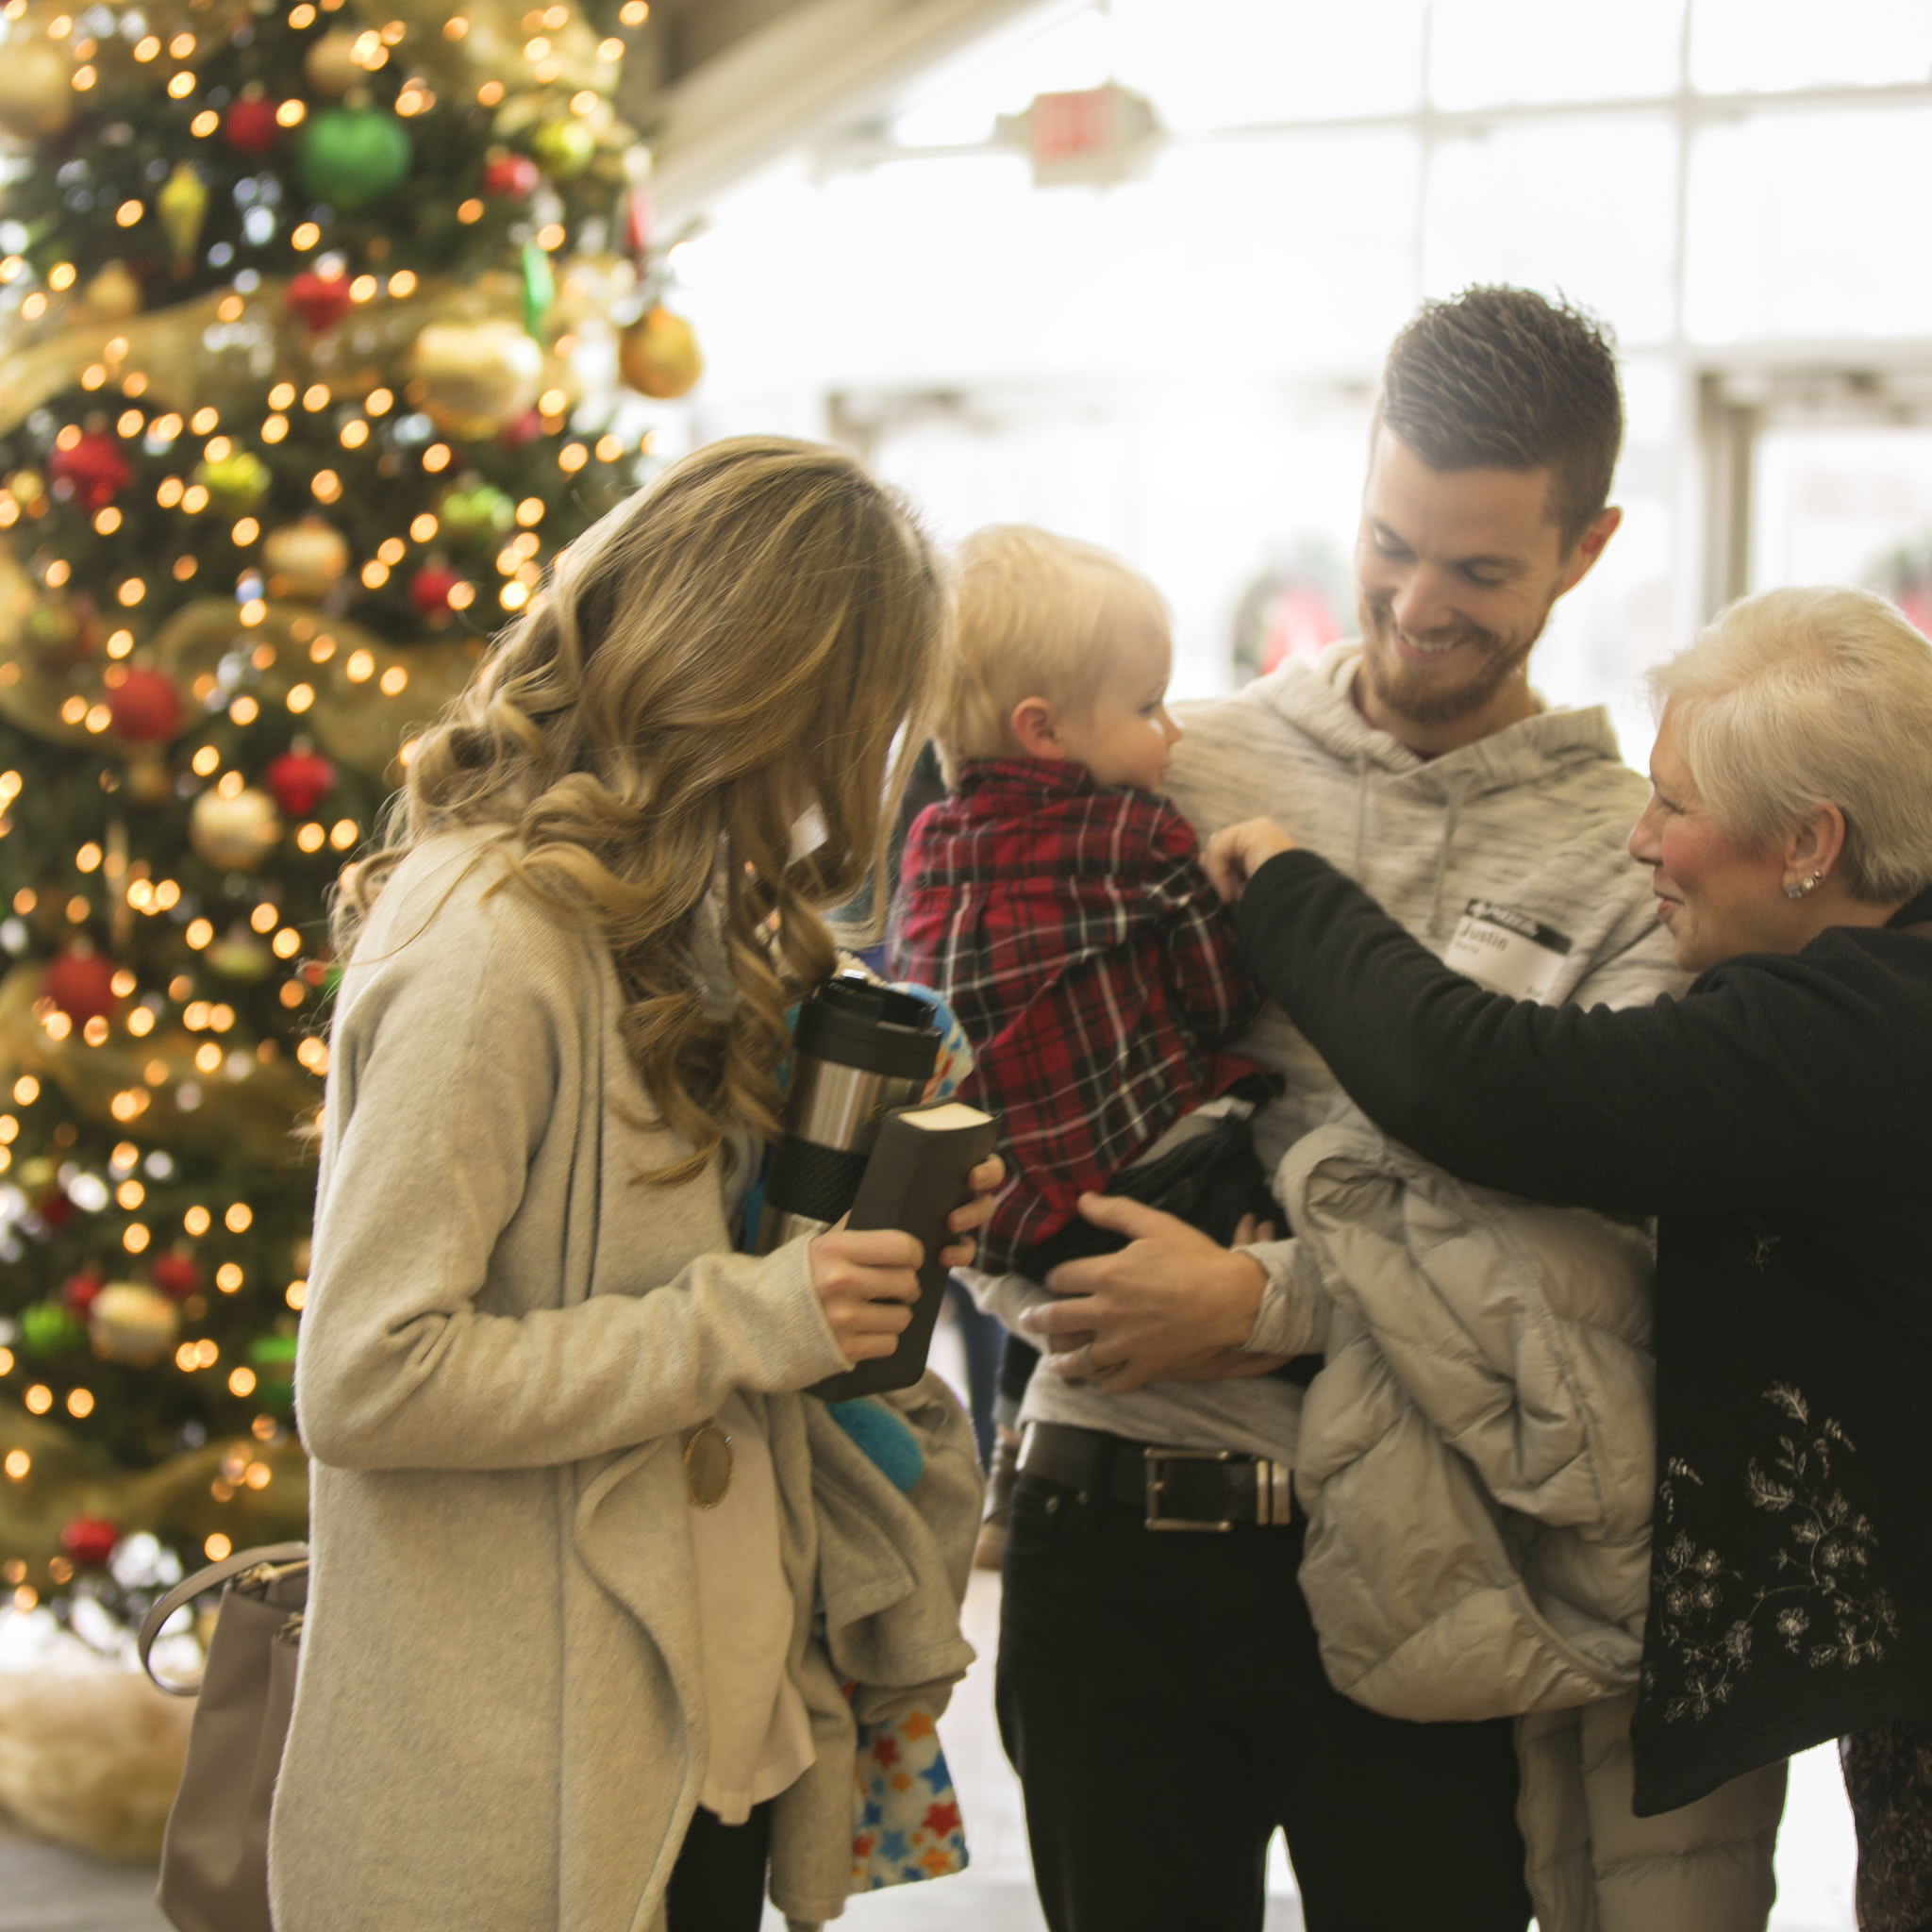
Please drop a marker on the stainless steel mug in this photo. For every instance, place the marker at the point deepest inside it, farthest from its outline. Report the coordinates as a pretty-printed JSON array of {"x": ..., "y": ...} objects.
[{"x": 860, "y": 1049}]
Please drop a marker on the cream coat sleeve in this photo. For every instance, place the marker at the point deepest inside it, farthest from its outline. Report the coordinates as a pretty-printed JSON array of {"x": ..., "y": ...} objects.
[{"x": 455, "y": 1091}]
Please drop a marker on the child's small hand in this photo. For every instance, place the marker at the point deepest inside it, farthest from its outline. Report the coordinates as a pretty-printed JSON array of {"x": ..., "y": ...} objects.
[
  {"x": 986, "y": 1181},
  {"x": 1237, "y": 852},
  {"x": 864, "y": 1282}
]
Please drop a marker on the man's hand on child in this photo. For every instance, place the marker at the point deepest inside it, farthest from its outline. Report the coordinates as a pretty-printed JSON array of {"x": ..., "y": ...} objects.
[
  {"x": 986, "y": 1181},
  {"x": 1237, "y": 852},
  {"x": 1171, "y": 1305}
]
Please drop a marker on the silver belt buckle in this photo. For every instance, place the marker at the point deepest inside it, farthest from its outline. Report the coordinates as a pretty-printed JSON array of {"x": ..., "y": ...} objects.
[{"x": 1273, "y": 1488}]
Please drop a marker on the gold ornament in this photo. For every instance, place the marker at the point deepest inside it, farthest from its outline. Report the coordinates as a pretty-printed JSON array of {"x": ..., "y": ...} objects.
[
  {"x": 305, "y": 560},
  {"x": 234, "y": 834},
  {"x": 129, "y": 1324},
  {"x": 331, "y": 64},
  {"x": 149, "y": 780},
  {"x": 658, "y": 355},
  {"x": 113, "y": 295},
  {"x": 565, "y": 147},
  {"x": 36, "y": 90},
  {"x": 182, "y": 205},
  {"x": 473, "y": 379}
]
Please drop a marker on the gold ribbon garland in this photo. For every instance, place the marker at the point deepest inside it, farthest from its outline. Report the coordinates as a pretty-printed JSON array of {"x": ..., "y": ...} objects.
[
  {"x": 368, "y": 349},
  {"x": 263, "y": 1104}
]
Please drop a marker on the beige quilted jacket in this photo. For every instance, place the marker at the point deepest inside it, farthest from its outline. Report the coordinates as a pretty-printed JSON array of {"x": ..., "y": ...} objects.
[{"x": 1475, "y": 1460}]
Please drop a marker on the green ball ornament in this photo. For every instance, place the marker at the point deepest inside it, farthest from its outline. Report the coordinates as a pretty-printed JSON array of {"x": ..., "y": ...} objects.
[
  {"x": 48, "y": 1329},
  {"x": 480, "y": 514},
  {"x": 352, "y": 156},
  {"x": 563, "y": 147},
  {"x": 272, "y": 1358},
  {"x": 235, "y": 483},
  {"x": 241, "y": 958}
]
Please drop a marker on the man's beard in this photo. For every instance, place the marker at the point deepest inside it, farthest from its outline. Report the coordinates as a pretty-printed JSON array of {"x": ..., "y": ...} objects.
[{"x": 1411, "y": 693}]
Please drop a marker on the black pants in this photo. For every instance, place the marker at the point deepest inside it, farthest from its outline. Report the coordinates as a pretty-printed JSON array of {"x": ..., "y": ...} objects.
[
  {"x": 717, "y": 1884},
  {"x": 1160, "y": 1695}
]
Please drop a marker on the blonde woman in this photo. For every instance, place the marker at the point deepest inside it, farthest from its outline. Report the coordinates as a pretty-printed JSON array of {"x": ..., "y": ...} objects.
[
  {"x": 559, "y": 1667},
  {"x": 1777, "y": 1120}
]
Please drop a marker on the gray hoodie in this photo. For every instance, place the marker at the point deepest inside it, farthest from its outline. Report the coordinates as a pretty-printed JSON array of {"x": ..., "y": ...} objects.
[{"x": 1505, "y": 857}]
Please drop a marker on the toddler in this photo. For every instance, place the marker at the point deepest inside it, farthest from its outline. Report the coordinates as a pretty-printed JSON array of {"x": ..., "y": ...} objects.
[{"x": 1058, "y": 901}]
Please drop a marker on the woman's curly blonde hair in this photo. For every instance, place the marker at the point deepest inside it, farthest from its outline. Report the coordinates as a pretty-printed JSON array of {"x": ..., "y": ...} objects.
[{"x": 742, "y": 640}]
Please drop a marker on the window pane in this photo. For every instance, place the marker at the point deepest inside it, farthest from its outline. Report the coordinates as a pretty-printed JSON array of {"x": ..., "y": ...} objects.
[
  {"x": 1231, "y": 64},
  {"x": 1482, "y": 52},
  {"x": 1739, "y": 46},
  {"x": 1792, "y": 233},
  {"x": 1204, "y": 487},
  {"x": 1849, "y": 506},
  {"x": 1276, "y": 253},
  {"x": 1587, "y": 208}
]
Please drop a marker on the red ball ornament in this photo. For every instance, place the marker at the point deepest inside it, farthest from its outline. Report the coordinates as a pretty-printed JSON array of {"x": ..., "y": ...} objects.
[
  {"x": 77, "y": 1292},
  {"x": 250, "y": 126},
  {"x": 526, "y": 428},
  {"x": 299, "y": 781},
  {"x": 95, "y": 467},
  {"x": 53, "y": 1208},
  {"x": 89, "y": 1541},
  {"x": 145, "y": 708},
  {"x": 81, "y": 984},
  {"x": 429, "y": 590},
  {"x": 176, "y": 1275},
  {"x": 512, "y": 177},
  {"x": 321, "y": 301},
  {"x": 637, "y": 221}
]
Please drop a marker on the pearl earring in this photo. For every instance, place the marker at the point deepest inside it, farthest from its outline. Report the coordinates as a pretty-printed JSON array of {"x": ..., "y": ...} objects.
[{"x": 1803, "y": 887}]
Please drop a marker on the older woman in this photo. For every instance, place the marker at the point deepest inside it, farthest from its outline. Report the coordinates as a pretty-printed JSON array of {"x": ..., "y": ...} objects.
[{"x": 1778, "y": 1123}]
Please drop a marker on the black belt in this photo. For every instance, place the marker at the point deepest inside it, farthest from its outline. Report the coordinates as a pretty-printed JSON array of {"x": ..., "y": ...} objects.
[{"x": 1172, "y": 1488}]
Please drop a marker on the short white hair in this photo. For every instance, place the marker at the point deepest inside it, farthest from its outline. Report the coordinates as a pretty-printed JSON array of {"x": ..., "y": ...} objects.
[{"x": 1797, "y": 698}]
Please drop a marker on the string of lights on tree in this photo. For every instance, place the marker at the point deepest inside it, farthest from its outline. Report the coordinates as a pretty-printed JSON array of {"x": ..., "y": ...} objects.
[{"x": 302, "y": 309}]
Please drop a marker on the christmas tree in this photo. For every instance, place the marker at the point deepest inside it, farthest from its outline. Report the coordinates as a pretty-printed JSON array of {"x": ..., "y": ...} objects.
[{"x": 295, "y": 308}]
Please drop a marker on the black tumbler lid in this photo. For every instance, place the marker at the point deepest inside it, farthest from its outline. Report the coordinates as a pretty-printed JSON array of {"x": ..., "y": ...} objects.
[{"x": 854, "y": 1022}]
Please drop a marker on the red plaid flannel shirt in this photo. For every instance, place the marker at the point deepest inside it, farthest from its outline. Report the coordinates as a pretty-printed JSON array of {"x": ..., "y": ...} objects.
[{"x": 1090, "y": 963}]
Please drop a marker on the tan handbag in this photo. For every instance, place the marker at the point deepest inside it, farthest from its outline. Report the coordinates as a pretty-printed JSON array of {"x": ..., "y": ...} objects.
[{"x": 214, "y": 1856}]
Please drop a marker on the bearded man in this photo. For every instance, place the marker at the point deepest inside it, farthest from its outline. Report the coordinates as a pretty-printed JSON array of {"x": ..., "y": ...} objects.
[{"x": 1160, "y": 1692}]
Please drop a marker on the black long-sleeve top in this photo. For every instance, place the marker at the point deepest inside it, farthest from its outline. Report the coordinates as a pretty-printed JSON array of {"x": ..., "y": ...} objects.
[{"x": 1777, "y": 1120}]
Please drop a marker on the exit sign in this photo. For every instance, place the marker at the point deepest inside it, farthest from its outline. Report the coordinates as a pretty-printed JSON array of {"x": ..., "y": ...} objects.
[{"x": 1094, "y": 138}]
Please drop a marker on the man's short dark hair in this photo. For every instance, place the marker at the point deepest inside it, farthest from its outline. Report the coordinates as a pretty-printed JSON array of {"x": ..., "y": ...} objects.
[{"x": 1499, "y": 378}]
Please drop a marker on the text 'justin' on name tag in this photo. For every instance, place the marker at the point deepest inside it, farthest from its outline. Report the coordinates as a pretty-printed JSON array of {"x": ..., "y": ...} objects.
[{"x": 1507, "y": 951}]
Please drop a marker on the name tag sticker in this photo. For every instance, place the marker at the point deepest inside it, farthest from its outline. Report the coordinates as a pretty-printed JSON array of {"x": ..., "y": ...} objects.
[{"x": 1507, "y": 951}]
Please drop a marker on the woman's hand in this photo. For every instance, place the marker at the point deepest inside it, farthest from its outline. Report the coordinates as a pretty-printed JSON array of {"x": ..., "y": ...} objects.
[
  {"x": 1237, "y": 852},
  {"x": 986, "y": 1181},
  {"x": 866, "y": 1282}
]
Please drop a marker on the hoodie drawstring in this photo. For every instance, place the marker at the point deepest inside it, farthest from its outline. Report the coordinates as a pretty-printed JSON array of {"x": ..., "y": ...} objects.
[
  {"x": 1452, "y": 812},
  {"x": 1362, "y": 812}
]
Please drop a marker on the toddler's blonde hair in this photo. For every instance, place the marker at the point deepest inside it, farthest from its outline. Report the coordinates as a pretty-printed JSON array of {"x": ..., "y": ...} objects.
[{"x": 1033, "y": 616}]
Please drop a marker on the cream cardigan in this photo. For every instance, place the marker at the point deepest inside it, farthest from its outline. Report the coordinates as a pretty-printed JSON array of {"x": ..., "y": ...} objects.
[{"x": 500, "y": 1715}]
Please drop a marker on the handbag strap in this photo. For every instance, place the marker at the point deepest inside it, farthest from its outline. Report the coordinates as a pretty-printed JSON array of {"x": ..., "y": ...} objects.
[{"x": 212, "y": 1577}]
